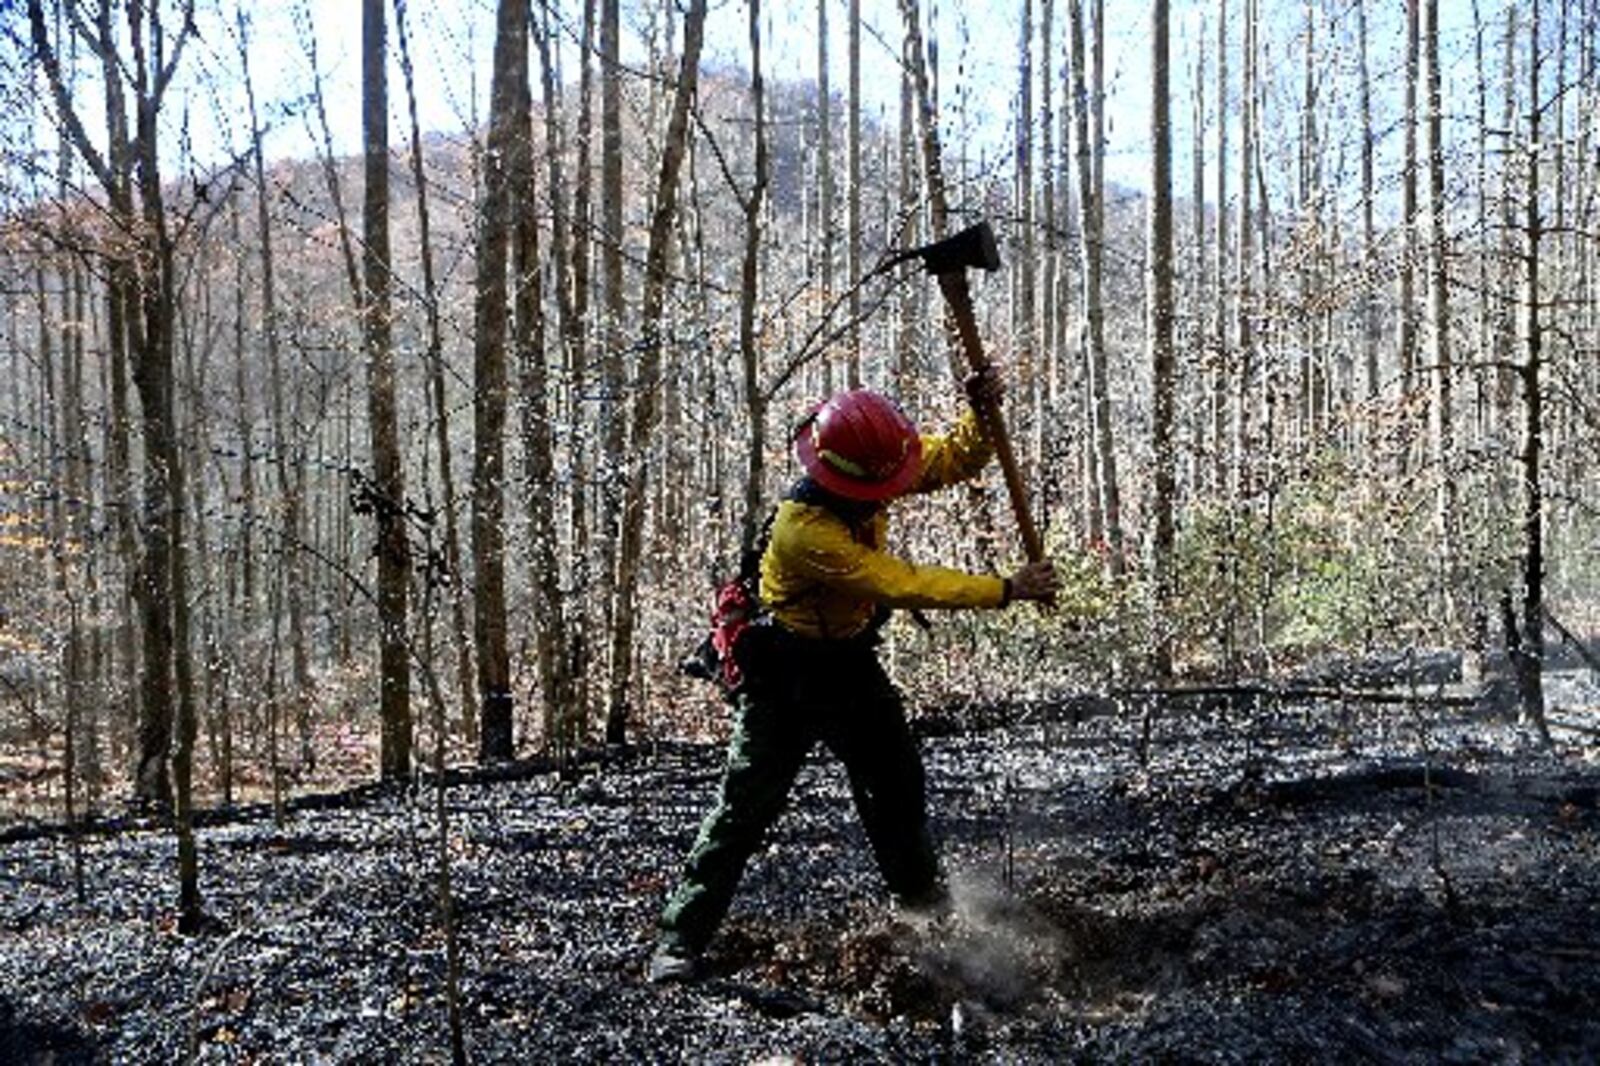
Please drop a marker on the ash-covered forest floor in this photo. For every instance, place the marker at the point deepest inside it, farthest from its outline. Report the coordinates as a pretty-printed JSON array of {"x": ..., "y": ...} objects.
[{"x": 1283, "y": 884}]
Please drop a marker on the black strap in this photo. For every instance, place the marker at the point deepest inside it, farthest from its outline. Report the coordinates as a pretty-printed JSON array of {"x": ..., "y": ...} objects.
[
  {"x": 853, "y": 513},
  {"x": 750, "y": 561}
]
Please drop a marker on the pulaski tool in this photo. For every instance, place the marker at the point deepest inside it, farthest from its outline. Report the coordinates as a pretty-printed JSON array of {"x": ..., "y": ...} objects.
[{"x": 948, "y": 260}]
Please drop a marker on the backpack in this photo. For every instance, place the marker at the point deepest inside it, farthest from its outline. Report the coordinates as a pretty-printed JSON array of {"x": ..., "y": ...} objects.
[{"x": 736, "y": 608}]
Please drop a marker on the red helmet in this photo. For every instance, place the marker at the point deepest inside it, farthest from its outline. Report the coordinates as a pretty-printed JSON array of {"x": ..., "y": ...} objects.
[{"x": 861, "y": 446}]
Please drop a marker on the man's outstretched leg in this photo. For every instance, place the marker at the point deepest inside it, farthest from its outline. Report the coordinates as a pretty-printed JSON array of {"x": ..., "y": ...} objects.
[
  {"x": 870, "y": 736},
  {"x": 764, "y": 756}
]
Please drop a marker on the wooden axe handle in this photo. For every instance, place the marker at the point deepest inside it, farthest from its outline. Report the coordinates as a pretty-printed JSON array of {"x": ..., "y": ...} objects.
[{"x": 959, "y": 298}]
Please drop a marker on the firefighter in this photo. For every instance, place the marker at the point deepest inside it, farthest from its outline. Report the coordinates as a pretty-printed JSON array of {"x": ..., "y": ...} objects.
[{"x": 812, "y": 672}]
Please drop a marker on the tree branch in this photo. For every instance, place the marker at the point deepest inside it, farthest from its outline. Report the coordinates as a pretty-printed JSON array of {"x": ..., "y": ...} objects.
[{"x": 58, "y": 89}]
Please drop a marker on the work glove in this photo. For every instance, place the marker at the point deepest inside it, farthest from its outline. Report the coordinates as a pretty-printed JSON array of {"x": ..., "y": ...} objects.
[{"x": 1035, "y": 581}]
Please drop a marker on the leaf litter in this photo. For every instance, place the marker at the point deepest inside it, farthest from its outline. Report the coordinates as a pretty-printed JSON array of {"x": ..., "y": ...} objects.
[{"x": 1250, "y": 884}]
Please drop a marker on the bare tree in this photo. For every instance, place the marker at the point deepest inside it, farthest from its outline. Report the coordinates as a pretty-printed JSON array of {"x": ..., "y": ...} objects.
[
  {"x": 508, "y": 124},
  {"x": 1220, "y": 392},
  {"x": 1091, "y": 236},
  {"x": 285, "y": 462},
  {"x": 387, "y": 497},
  {"x": 569, "y": 239},
  {"x": 1043, "y": 390},
  {"x": 1160, "y": 318},
  {"x": 905, "y": 309},
  {"x": 1245, "y": 264},
  {"x": 646, "y": 410},
  {"x": 460, "y": 637},
  {"x": 538, "y": 440},
  {"x": 1531, "y": 650},
  {"x": 142, "y": 265},
  {"x": 927, "y": 121},
  {"x": 826, "y": 235},
  {"x": 1505, "y": 319},
  {"x": 613, "y": 416},
  {"x": 1439, "y": 353},
  {"x": 1406, "y": 318},
  {"x": 1196, "y": 412},
  {"x": 852, "y": 221},
  {"x": 1369, "y": 301},
  {"x": 749, "y": 293},
  {"x": 1023, "y": 320}
]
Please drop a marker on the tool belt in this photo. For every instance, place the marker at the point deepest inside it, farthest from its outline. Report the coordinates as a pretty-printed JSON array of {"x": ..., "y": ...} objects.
[{"x": 770, "y": 654}]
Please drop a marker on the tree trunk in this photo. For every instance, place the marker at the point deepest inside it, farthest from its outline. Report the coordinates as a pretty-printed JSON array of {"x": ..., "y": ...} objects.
[
  {"x": 508, "y": 124},
  {"x": 1442, "y": 422},
  {"x": 749, "y": 294},
  {"x": 905, "y": 307},
  {"x": 1197, "y": 392},
  {"x": 358, "y": 300},
  {"x": 143, "y": 274},
  {"x": 1483, "y": 332},
  {"x": 1530, "y": 664},
  {"x": 285, "y": 445},
  {"x": 852, "y": 221},
  {"x": 538, "y": 444},
  {"x": 1042, "y": 397},
  {"x": 647, "y": 392},
  {"x": 573, "y": 333},
  {"x": 826, "y": 237},
  {"x": 563, "y": 707},
  {"x": 387, "y": 498},
  {"x": 1091, "y": 235},
  {"x": 1163, "y": 370},
  {"x": 1220, "y": 391},
  {"x": 614, "y": 385},
  {"x": 1244, "y": 306},
  {"x": 245, "y": 587},
  {"x": 84, "y": 692},
  {"x": 1311, "y": 370},
  {"x": 927, "y": 123},
  {"x": 1406, "y": 319},
  {"x": 1506, "y": 326},
  {"x": 64, "y": 436},
  {"x": 460, "y": 636},
  {"x": 1369, "y": 300},
  {"x": 1023, "y": 323},
  {"x": 168, "y": 661},
  {"x": 115, "y": 173}
]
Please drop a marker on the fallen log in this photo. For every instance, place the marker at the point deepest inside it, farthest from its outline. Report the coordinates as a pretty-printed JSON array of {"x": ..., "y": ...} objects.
[
  {"x": 340, "y": 799},
  {"x": 1292, "y": 693},
  {"x": 1376, "y": 779}
]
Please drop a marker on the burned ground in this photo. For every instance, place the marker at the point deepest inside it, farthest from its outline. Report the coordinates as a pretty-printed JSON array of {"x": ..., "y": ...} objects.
[{"x": 1275, "y": 883}]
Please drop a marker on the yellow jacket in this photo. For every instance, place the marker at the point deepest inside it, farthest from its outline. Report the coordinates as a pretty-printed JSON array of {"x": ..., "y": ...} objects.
[{"x": 822, "y": 577}]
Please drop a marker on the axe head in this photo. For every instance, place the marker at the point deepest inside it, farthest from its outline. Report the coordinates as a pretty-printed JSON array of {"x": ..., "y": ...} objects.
[{"x": 972, "y": 247}]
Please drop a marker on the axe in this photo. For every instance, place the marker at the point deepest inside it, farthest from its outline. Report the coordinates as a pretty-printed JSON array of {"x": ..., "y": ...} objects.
[{"x": 948, "y": 261}]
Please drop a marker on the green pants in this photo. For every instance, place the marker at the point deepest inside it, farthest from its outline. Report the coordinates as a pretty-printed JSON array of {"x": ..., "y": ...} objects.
[{"x": 835, "y": 692}]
